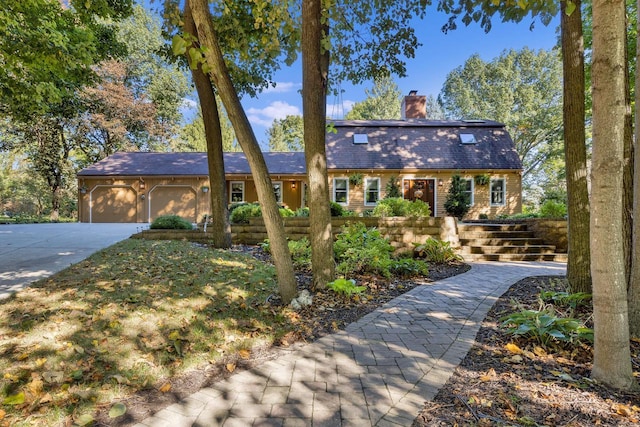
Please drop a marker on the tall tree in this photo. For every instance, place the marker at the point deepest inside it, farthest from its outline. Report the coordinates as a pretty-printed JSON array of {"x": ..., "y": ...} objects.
[
  {"x": 221, "y": 78},
  {"x": 221, "y": 226},
  {"x": 634, "y": 275},
  {"x": 578, "y": 271},
  {"x": 192, "y": 135},
  {"x": 522, "y": 89},
  {"x": 315, "y": 75},
  {"x": 382, "y": 102},
  {"x": 612, "y": 356},
  {"x": 286, "y": 134},
  {"x": 579, "y": 261}
]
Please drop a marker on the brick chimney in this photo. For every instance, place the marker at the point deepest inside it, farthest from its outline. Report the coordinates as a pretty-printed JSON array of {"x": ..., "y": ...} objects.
[{"x": 414, "y": 106}]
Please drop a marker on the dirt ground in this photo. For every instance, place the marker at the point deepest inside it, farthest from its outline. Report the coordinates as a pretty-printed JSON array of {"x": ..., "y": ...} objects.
[{"x": 495, "y": 386}]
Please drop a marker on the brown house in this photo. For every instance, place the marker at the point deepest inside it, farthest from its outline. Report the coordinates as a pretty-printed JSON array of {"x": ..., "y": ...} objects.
[{"x": 362, "y": 157}]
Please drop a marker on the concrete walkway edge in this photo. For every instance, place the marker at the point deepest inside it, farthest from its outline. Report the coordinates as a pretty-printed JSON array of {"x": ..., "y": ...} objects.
[{"x": 377, "y": 372}]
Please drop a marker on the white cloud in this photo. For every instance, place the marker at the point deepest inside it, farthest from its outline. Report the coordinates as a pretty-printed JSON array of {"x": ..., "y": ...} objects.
[
  {"x": 283, "y": 87},
  {"x": 275, "y": 110},
  {"x": 189, "y": 103}
]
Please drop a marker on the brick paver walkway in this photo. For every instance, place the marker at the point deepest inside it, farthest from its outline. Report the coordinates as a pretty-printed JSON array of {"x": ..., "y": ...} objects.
[{"x": 378, "y": 372}]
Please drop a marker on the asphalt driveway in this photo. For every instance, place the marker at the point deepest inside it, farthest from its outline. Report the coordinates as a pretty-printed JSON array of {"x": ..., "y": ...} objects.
[{"x": 29, "y": 252}]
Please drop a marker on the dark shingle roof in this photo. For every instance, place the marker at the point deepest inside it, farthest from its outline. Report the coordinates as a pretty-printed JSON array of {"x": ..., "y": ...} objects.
[
  {"x": 421, "y": 144},
  {"x": 392, "y": 144},
  {"x": 190, "y": 164}
]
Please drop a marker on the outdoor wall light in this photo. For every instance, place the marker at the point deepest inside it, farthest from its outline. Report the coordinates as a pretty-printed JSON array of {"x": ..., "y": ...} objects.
[
  {"x": 293, "y": 185},
  {"x": 142, "y": 197},
  {"x": 83, "y": 189},
  {"x": 205, "y": 189},
  {"x": 440, "y": 183},
  {"x": 142, "y": 184}
]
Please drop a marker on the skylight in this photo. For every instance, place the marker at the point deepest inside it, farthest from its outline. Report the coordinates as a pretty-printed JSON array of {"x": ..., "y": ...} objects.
[
  {"x": 360, "y": 138},
  {"x": 467, "y": 138}
]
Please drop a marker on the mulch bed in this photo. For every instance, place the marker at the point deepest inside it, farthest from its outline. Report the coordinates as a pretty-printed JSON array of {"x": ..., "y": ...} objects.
[{"x": 494, "y": 386}]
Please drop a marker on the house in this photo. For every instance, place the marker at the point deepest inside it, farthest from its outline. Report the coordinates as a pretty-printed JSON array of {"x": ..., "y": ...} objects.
[{"x": 421, "y": 155}]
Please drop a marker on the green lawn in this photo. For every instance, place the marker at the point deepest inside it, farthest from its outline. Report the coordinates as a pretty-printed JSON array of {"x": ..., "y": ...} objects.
[{"x": 129, "y": 318}]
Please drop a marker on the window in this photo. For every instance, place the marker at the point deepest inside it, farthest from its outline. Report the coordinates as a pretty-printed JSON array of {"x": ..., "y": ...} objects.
[
  {"x": 341, "y": 190},
  {"x": 468, "y": 189},
  {"x": 497, "y": 192},
  {"x": 237, "y": 191},
  {"x": 360, "y": 138},
  {"x": 467, "y": 138},
  {"x": 371, "y": 191},
  {"x": 277, "y": 190}
]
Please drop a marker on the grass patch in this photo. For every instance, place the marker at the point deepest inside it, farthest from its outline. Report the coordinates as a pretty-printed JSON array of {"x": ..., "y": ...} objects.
[{"x": 125, "y": 320}]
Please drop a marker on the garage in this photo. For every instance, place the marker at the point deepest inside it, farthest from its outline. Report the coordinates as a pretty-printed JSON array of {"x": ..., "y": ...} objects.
[
  {"x": 113, "y": 203},
  {"x": 172, "y": 200}
]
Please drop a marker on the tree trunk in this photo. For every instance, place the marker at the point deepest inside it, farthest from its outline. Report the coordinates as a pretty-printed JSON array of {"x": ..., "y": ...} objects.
[
  {"x": 314, "y": 100},
  {"x": 221, "y": 227},
  {"x": 578, "y": 265},
  {"x": 247, "y": 140},
  {"x": 627, "y": 175},
  {"x": 612, "y": 355},
  {"x": 634, "y": 280}
]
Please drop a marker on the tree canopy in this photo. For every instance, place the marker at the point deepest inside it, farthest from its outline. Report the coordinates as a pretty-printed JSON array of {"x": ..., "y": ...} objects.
[
  {"x": 286, "y": 134},
  {"x": 382, "y": 102}
]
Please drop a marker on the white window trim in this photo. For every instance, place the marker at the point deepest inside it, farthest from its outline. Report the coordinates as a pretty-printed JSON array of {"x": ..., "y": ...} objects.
[
  {"x": 334, "y": 190},
  {"x": 273, "y": 184},
  {"x": 504, "y": 192},
  {"x": 366, "y": 181},
  {"x": 231, "y": 192},
  {"x": 473, "y": 190}
]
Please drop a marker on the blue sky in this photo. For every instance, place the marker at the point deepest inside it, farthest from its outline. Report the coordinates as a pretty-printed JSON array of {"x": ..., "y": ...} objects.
[{"x": 439, "y": 54}]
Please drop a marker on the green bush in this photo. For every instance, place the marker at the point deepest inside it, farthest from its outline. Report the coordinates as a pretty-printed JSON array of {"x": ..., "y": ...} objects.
[
  {"x": 361, "y": 250},
  {"x": 545, "y": 328},
  {"x": 408, "y": 267},
  {"x": 302, "y": 212},
  {"x": 457, "y": 201},
  {"x": 300, "y": 253},
  {"x": 336, "y": 209},
  {"x": 437, "y": 251},
  {"x": 287, "y": 213},
  {"x": 418, "y": 209},
  {"x": 553, "y": 209},
  {"x": 171, "y": 222},
  {"x": 346, "y": 287},
  {"x": 397, "y": 206},
  {"x": 242, "y": 213}
]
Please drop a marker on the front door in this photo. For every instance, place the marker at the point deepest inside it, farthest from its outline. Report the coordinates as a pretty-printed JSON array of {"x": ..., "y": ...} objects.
[{"x": 421, "y": 189}]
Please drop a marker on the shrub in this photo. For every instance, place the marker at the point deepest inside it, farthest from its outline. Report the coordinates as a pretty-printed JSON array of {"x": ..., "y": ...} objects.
[
  {"x": 392, "y": 188},
  {"x": 345, "y": 287},
  {"x": 336, "y": 209},
  {"x": 171, "y": 222},
  {"x": 359, "y": 250},
  {"x": 545, "y": 328},
  {"x": 417, "y": 209},
  {"x": 242, "y": 213},
  {"x": 286, "y": 213},
  {"x": 392, "y": 206},
  {"x": 437, "y": 251},
  {"x": 457, "y": 201},
  {"x": 408, "y": 267},
  {"x": 300, "y": 253},
  {"x": 553, "y": 209},
  {"x": 302, "y": 212}
]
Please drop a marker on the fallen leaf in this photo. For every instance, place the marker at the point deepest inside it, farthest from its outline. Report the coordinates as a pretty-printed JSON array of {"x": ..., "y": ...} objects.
[
  {"x": 117, "y": 410},
  {"x": 623, "y": 410},
  {"x": 53, "y": 376},
  {"x": 539, "y": 351},
  {"x": 14, "y": 399},
  {"x": 36, "y": 385},
  {"x": 46, "y": 399},
  {"x": 245, "y": 354},
  {"x": 516, "y": 359},
  {"x": 2, "y": 414},
  {"x": 491, "y": 373},
  {"x": 84, "y": 420},
  {"x": 165, "y": 388},
  {"x": 231, "y": 367},
  {"x": 513, "y": 348}
]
